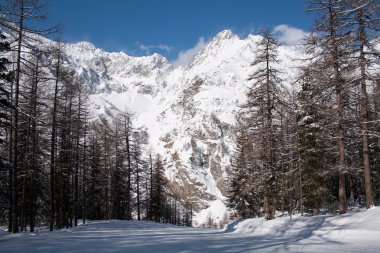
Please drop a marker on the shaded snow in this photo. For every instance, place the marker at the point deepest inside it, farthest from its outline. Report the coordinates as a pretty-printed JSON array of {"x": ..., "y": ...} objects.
[{"x": 356, "y": 232}]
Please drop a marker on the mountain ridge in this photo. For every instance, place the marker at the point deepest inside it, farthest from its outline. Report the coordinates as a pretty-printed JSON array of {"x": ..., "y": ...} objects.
[{"x": 189, "y": 111}]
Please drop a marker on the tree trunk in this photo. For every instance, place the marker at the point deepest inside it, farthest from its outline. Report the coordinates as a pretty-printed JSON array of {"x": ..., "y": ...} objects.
[
  {"x": 138, "y": 187},
  {"x": 10, "y": 157},
  {"x": 338, "y": 91},
  {"x": 35, "y": 146},
  {"x": 84, "y": 172},
  {"x": 341, "y": 159},
  {"x": 364, "y": 113},
  {"x": 15, "y": 215},
  {"x": 151, "y": 187},
  {"x": 127, "y": 135},
  {"x": 76, "y": 182},
  {"x": 53, "y": 142},
  {"x": 105, "y": 186}
]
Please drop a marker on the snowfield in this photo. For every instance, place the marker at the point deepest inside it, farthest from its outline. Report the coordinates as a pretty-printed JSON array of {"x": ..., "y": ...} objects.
[{"x": 354, "y": 232}]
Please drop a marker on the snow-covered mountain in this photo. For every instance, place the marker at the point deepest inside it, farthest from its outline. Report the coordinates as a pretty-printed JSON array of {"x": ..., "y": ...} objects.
[{"x": 189, "y": 111}]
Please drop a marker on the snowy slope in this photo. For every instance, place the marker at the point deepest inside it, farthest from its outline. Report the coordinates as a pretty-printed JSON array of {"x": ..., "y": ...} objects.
[
  {"x": 189, "y": 111},
  {"x": 355, "y": 232}
]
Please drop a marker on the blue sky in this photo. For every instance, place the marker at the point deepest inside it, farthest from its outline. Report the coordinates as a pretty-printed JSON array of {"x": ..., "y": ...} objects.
[{"x": 169, "y": 27}]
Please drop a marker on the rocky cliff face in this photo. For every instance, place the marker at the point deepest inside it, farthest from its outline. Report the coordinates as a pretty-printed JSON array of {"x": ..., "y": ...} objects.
[
  {"x": 118, "y": 72},
  {"x": 189, "y": 111}
]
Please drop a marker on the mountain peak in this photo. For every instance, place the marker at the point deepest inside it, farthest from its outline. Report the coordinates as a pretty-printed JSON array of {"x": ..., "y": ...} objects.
[
  {"x": 85, "y": 45},
  {"x": 159, "y": 60},
  {"x": 222, "y": 37},
  {"x": 225, "y": 34},
  {"x": 214, "y": 49}
]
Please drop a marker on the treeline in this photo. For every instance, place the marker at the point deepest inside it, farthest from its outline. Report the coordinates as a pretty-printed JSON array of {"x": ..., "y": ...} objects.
[
  {"x": 59, "y": 163},
  {"x": 317, "y": 146}
]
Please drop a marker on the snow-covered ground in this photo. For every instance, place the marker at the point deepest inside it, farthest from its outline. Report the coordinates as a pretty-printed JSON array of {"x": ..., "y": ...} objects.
[{"x": 354, "y": 232}]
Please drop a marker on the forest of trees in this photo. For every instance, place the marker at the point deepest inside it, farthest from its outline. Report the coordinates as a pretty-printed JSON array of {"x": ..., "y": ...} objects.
[
  {"x": 317, "y": 148},
  {"x": 59, "y": 164},
  {"x": 314, "y": 149}
]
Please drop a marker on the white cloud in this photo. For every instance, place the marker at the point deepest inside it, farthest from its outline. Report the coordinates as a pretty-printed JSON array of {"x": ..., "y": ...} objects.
[
  {"x": 289, "y": 35},
  {"x": 185, "y": 56},
  {"x": 148, "y": 48},
  {"x": 247, "y": 30}
]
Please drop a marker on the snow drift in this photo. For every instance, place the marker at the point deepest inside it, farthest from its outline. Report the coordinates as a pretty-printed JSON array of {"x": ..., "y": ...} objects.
[{"x": 353, "y": 232}]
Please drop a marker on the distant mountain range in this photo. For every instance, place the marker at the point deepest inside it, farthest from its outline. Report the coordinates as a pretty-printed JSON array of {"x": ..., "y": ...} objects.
[{"x": 188, "y": 111}]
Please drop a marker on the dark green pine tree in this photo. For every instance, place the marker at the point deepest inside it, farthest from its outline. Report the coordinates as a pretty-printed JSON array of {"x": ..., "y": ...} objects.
[
  {"x": 118, "y": 176},
  {"x": 240, "y": 192},
  {"x": 6, "y": 78},
  {"x": 117, "y": 193},
  {"x": 314, "y": 162},
  {"x": 5, "y": 94},
  {"x": 158, "y": 190},
  {"x": 94, "y": 193}
]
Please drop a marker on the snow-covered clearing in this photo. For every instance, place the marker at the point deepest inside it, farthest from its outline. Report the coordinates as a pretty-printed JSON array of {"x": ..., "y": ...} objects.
[{"x": 355, "y": 232}]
